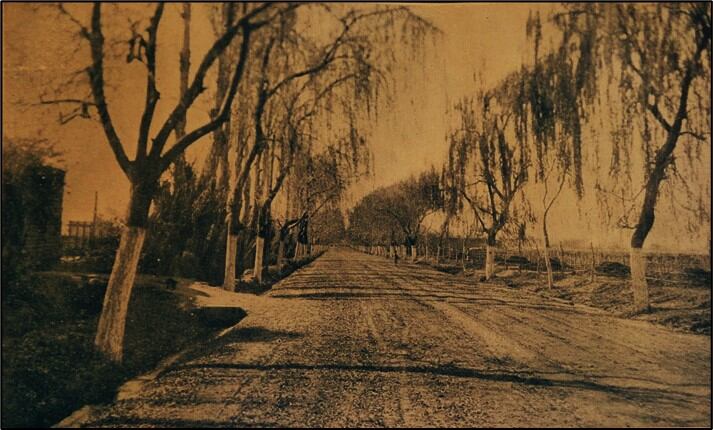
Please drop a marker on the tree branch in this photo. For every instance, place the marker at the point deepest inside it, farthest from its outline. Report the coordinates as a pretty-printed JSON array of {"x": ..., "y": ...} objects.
[
  {"x": 223, "y": 116},
  {"x": 699, "y": 136},
  {"x": 152, "y": 94},
  {"x": 83, "y": 30},
  {"x": 96, "y": 79},
  {"x": 196, "y": 87},
  {"x": 654, "y": 109}
]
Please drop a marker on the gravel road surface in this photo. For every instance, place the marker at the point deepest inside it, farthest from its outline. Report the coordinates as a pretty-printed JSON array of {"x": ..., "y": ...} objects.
[{"x": 354, "y": 340}]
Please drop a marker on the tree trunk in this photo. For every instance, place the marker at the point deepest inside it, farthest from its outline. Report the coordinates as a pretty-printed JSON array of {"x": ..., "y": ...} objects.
[
  {"x": 637, "y": 261},
  {"x": 489, "y": 262},
  {"x": 281, "y": 253},
  {"x": 259, "y": 252},
  {"x": 231, "y": 251},
  {"x": 266, "y": 253},
  {"x": 184, "y": 65},
  {"x": 548, "y": 263},
  {"x": 413, "y": 253},
  {"x": 298, "y": 250},
  {"x": 231, "y": 246},
  {"x": 112, "y": 322},
  {"x": 593, "y": 265}
]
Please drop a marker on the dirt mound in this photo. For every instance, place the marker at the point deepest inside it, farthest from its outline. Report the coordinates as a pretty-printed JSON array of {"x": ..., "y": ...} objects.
[
  {"x": 698, "y": 276},
  {"x": 451, "y": 269},
  {"x": 514, "y": 260},
  {"x": 613, "y": 268},
  {"x": 558, "y": 265}
]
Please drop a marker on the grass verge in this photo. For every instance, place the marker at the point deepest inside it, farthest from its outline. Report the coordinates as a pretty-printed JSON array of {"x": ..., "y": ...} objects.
[{"x": 48, "y": 326}]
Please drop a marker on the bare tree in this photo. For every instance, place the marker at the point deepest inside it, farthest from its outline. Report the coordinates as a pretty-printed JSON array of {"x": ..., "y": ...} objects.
[
  {"x": 184, "y": 61},
  {"x": 152, "y": 155},
  {"x": 663, "y": 92}
]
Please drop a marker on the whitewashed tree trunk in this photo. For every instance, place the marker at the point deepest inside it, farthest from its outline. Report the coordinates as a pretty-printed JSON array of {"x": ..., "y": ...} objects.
[
  {"x": 112, "y": 322},
  {"x": 280, "y": 254},
  {"x": 548, "y": 264},
  {"x": 298, "y": 250},
  {"x": 489, "y": 262},
  {"x": 259, "y": 253},
  {"x": 637, "y": 261},
  {"x": 231, "y": 251}
]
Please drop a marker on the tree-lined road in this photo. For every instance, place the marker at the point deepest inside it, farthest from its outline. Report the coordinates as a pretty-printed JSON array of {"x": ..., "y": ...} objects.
[{"x": 353, "y": 340}]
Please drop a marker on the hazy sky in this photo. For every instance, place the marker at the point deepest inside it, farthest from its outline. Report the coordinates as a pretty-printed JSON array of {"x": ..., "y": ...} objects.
[{"x": 409, "y": 138}]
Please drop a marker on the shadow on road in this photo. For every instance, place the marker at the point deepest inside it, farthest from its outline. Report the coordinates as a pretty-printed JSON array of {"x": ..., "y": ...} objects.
[
  {"x": 565, "y": 381},
  {"x": 237, "y": 336},
  {"x": 175, "y": 423},
  {"x": 410, "y": 295}
]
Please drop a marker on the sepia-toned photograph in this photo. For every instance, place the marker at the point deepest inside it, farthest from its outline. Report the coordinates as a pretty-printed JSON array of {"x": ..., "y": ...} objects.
[{"x": 381, "y": 214}]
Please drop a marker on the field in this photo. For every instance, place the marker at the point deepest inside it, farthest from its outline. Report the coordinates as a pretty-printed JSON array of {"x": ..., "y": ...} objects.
[{"x": 679, "y": 284}]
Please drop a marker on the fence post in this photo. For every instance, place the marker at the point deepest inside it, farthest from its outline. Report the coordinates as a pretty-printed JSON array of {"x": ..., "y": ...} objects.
[{"x": 593, "y": 275}]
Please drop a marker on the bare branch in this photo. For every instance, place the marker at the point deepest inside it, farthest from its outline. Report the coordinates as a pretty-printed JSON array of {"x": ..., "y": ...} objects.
[
  {"x": 96, "y": 79},
  {"x": 83, "y": 30},
  {"x": 152, "y": 94},
  {"x": 654, "y": 109},
  {"x": 216, "y": 122},
  {"x": 699, "y": 136},
  {"x": 66, "y": 101},
  {"x": 196, "y": 87}
]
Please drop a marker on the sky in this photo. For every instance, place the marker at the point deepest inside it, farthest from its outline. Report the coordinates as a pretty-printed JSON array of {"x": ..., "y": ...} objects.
[{"x": 488, "y": 39}]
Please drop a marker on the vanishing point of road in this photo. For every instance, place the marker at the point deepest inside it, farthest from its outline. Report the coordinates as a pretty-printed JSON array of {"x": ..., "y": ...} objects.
[{"x": 354, "y": 340}]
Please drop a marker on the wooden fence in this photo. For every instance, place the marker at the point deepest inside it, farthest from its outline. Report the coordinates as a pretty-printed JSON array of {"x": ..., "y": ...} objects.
[{"x": 659, "y": 264}]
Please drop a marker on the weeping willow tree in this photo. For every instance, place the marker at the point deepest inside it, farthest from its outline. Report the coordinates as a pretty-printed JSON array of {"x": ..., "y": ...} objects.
[
  {"x": 553, "y": 98},
  {"x": 320, "y": 181},
  {"x": 452, "y": 204},
  {"x": 654, "y": 61},
  {"x": 342, "y": 70},
  {"x": 489, "y": 158},
  {"x": 395, "y": 214}
]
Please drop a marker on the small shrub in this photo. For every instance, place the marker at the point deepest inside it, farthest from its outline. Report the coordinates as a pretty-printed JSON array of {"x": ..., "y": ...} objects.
[
  {"x": 49, "y": 364},
  {"x": 698, "y": 275},
  {"x": 613, "y": 268}
]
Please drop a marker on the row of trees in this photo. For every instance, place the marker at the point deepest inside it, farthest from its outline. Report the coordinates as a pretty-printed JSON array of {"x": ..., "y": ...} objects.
[
  {"x": 394, "y": 215},
  {"x": 616, "y": 79},
  {"x": 287, "y": 125}
]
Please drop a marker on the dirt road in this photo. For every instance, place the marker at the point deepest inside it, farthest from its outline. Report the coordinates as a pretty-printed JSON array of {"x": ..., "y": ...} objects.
[{"x": 353, "y": 340}]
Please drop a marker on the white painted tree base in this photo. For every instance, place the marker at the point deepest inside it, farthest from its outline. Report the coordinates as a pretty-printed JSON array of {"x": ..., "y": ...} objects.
[
  {"x": 259, "y": 254},
  {"x": 489, "y": 262},
  {"x": 231, "y": 251},
  {"x": 112, "y": 322},
  {"x": 548, "y": 265},
  {"x": 637, "y": 261}
]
